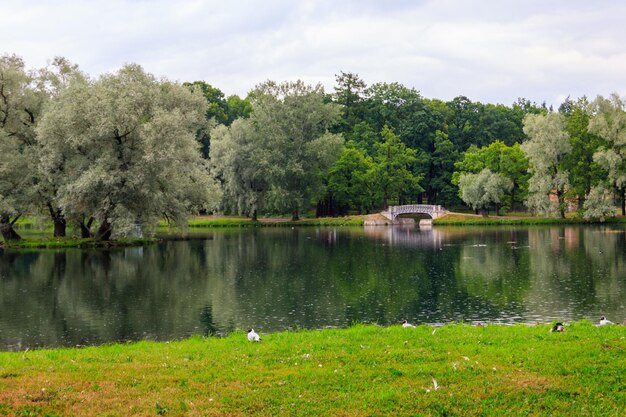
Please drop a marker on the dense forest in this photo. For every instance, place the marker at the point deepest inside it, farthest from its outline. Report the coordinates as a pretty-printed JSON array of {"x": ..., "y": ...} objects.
[{"x": 125, "y": 149}]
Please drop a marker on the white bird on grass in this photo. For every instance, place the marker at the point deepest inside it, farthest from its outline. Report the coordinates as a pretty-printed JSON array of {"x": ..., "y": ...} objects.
[
  {"x": 604, "y": 321},
  {"x": 406, "y": 324},
  {"x": 253, "y": 336},
  {"x": 558, "y": 327}
]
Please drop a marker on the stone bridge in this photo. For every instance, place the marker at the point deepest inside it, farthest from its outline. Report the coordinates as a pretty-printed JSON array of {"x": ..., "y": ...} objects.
[{"x": 433, "y": 211}]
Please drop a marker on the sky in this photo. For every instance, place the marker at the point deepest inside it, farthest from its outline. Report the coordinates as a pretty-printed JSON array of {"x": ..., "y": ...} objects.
[{"x": 487, "y": 50}]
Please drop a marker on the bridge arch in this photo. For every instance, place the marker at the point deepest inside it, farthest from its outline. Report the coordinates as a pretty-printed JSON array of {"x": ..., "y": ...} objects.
[{"x": 433, "y": 211}]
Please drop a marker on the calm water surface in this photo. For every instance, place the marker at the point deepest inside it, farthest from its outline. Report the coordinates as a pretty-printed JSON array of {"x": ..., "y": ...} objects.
[{"x": 281, "y": 278}]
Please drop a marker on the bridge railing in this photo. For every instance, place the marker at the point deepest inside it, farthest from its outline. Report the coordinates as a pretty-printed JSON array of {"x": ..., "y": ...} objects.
[{"x": 429, "y": 209}]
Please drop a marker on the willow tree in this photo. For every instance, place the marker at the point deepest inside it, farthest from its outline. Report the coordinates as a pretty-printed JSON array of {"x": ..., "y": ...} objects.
[
  {"x": 20, "y": 107},
  {"x": 290, "y": 123},
  {"x": 481, "y": 190},
  {"x": 609, "y": 122},
  {"x": 546, "y": 147},
  {"x": 234, "y": 162},
  {"x": 127, "y": 144}
]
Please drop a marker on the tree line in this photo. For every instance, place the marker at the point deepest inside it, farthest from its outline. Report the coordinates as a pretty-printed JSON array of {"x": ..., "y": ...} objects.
[{"x": 118, "y": 152}]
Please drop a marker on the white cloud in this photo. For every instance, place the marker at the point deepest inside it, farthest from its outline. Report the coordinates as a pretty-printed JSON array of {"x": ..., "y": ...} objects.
[{"x": 490, "y": 51}]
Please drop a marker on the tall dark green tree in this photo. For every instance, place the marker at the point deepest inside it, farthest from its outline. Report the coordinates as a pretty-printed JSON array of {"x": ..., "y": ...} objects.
[
  {"x": 349, "y": 93},
  {"x": 392, "y": 171},
  {"x": 440, "y": 188},
  {"x": 349, "y": 180},
  {"x": 583, "y": 170}
]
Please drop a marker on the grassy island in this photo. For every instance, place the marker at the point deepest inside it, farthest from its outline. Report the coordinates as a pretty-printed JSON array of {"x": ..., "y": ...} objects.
[{"x": 363, "y": 370}]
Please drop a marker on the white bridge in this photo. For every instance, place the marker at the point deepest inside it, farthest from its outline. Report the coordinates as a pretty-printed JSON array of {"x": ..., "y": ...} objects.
[{"x": 433, "y": 211}]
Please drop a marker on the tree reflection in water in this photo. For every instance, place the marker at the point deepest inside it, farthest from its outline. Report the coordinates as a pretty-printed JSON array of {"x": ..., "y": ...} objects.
[{"x": 280, "y": 278}]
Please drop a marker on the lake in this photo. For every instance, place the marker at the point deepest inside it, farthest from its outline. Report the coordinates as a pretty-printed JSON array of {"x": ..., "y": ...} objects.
[{"x": 272, "y": 279}]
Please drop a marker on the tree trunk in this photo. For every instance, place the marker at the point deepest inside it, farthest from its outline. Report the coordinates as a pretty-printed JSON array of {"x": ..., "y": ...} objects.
[
  {"x": 513, "y": 198},
  {"x": 295, "y": 216},
  {"x": 59, "y": 221},
  {"x": 254, "y": 216},
  {"x": 85, "y": 229},
  {"x": 623, "y": 201},
  {"x": 104, "y": 231},
  {"x": 6, "y": 228},
  {"x": 59, "y": 227},
  {"x": 560, "y": 196}
]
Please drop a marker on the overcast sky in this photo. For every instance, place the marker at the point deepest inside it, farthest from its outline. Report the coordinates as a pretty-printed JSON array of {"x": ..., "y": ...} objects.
[{"x": 492, "y": 51}]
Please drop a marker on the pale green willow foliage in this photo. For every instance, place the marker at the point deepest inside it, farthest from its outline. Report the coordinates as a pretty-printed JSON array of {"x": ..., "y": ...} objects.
[
  {"x": 126, "y": 144},
  {"x": 281, "y": 151},
  {"x": 599, "y": 204},
  {"x": 234, "y": 161},
  {"x": 482, "y": 189},
  {"x": 609, "y": 122},
  {"x": 20, "y": 107},
  {"x": 547, "y": 145}
]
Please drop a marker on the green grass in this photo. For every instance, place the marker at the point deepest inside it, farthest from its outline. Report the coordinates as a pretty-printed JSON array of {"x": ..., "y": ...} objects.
[
  {"x": 364, "y": 370},
  {"x": 457, "y": 219},
  {"x": 210, "y": 221},
  {"x": 58, "y": 243}
]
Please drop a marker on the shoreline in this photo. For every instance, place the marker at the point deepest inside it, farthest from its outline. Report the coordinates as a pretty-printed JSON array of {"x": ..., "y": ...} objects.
[{"x": 371, "y": 220}]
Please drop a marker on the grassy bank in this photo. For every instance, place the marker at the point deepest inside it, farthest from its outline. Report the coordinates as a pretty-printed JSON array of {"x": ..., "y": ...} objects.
[
  {"x": 458, "y": 219},
  {"x": 58, "y": 243},
  {"x": 363, "y": 370},
  {"x": 35, "y": 237},
  {"x": 218, "y": 221}
]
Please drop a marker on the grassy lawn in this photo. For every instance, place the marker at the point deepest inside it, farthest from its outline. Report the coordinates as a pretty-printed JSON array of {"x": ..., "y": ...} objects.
[{"x": 363, "y": 370}]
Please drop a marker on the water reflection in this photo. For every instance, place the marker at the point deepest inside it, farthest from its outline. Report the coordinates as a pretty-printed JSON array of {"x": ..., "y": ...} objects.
[{"x": 280, "y": 278}]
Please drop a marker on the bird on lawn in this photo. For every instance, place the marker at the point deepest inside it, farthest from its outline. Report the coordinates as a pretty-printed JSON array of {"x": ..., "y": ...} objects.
[
  {"x": 253, "y": 336},
  {"x": 406, "y": 324},
  {"x": 558, "y": 327},
  {"x": 604, "y": 321}
]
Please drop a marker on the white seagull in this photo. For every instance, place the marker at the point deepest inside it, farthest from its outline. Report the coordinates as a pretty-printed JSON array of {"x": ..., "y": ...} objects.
[
  {"x": 604, "y": 321},
  {"x": 253, "y": 336},
  {"x": 406, "y": 324}
]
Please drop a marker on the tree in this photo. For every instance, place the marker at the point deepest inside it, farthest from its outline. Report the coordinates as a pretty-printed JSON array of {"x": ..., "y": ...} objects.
[
  {"x": 290, "y": 123},
  {"x": 349, "y": 93},
  {"x": 129, "y": 150},
  {"x": 20, "y": 107},
  {"x": 546, "y": 147},
  {"x": 235, "y": 159},
  {"x": 501, "y": 159},
  {"x": 52, "y": 80},
  {"x": 392, "y": 173},
  {"x": 348, "y": 180},
  {"x": 219, "y": 110},
  {"x": 599, "y": 204},
  {"x": 483, "y": 189},
  {"x": 584, "y": 171},
  {"x": 609, "y": 122},
  {"x": 442, "y": 160}
]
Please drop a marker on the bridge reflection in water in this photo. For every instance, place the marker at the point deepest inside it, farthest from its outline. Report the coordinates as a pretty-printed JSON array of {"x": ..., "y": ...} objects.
[{"x": 407, "y": 235}]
